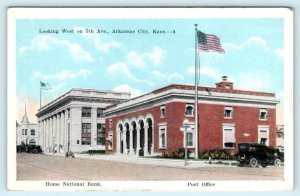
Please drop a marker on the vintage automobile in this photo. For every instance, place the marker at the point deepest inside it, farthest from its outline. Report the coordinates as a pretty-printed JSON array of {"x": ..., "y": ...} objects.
[
  {"x": 258, "y": 154},
  {"x": 36, "y": 149}
]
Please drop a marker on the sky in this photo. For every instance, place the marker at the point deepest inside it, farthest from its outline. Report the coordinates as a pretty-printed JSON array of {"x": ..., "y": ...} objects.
[{"x": 138, "y": 62}]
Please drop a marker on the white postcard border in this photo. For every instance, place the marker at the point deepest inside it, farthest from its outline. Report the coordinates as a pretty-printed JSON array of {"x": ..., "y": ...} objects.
[{"x": 122, "y": 13}]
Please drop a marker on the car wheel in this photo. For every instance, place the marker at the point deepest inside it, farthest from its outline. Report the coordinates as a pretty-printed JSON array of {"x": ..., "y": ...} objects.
[
  {"x": 253, "y": 162},
  {"x": 264, "y": 165},
  {"x": 277, "y": 162}
]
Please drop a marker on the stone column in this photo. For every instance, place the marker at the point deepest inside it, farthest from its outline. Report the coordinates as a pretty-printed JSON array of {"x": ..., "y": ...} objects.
[
  {"x": 59, "y": 132},
  {"x": 131, "y": 150},
  {"x": 146, "y": 141},
  {"x": 47, "y": 132},
  {"x": 94, "y": 126},
  {"x": 124, "y": 142},
  {"x": 51, "y": 132},
  {"x": 138, "y": 129},
  {"x": 63, "y": 130},
  {"x": 44, "y": 136},
  {"x": 118, "y": 140},
  {"x": 55, "y": 130}
]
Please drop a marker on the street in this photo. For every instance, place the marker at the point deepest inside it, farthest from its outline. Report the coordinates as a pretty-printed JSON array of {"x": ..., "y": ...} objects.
[{"x": 49, "y": 167}]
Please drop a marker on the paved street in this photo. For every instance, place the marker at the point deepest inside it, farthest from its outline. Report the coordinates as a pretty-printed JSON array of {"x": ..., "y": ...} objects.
[{"x": 49, "y": 167}]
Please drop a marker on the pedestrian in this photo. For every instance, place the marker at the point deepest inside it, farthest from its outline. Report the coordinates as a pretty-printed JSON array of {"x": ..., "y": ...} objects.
[
  {"x": 55, "y": 149},
  {"x": 90, "y": 150}
]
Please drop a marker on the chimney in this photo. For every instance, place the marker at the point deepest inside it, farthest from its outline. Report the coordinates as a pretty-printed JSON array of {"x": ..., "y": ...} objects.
[{"x": 224, "y": 84}]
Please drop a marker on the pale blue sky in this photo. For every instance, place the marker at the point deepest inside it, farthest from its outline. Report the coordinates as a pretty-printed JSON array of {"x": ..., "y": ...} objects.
[{"x": 141, "y": 63}]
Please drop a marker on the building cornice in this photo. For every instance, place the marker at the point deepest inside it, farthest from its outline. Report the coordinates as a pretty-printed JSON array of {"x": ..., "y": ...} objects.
[
  {"x": 84, "y": 95},
  {"x": 190, "y": 94}
]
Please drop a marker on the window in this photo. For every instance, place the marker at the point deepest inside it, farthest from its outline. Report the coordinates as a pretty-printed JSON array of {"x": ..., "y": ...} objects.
[
  {"x": 32, "y": 132},
  {"x": 69, "y": 113},
  {"x": 263, "y": 135},
  {"x": 100, "y": 113},
  {"x": 86, "y": 127},
  {"x": 263, "y": 114},
  {"x": 162, "y": 111},
  {"x": 25, "y": 131},
  {"x": 86, "y": 134},
  {"x": 86, "y": 112},
  {"x": 189, "y": 136},
  {"x": 110, "y": 140},
  {"x": 229, "y": 136},
  {"x": 110, "y": 123},
  {"x": 100, "y": 134},
  {"x": 189, "y": 110},
  {"x": 86, "y": 141},
  {"x": 228, "y": 112},
  {"x": 32, "y": 142},
  {"x": 163, "y": 137},
  {"x": 190, "y": 140}
]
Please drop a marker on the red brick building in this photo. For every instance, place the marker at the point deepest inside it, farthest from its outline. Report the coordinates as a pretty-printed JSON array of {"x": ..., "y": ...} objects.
[{"x": 227, "y": 116}]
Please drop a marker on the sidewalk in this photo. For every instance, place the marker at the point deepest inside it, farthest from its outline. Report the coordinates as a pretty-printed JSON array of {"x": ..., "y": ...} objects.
[{"x": 132, "y": 159}]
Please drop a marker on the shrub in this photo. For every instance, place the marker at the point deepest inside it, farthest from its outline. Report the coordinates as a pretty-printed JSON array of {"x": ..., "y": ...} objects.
[
  {"x": 217, "y": 154},
  {"x": 178, "y": 154},
  {"x": 94, "y": 152}
]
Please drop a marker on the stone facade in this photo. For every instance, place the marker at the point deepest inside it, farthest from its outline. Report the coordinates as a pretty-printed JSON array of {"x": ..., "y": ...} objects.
[
  {"x": 226, "y": 117},
  {"x": 75, "y": 121}
]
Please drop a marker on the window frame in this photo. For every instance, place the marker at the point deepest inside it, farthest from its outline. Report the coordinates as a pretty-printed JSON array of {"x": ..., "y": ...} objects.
[
  {"x": 260, "y": 112},
  {"x": 110, "y": 143},
  {"x": 231, "y": 112},
  {"x": 86, "y": 112},
  {"x": 162, "y": 129},
  {"x": 100, "y": 114},
  {"x": 190, "y": 130},
  {"x": 193, "y": 110},
  {"x": 227, "y": 127},
  {"x": 163, "y": 114},
  {"x": 86, "y": 136},
  {"x": 265, "y": 128},
  {"x": 32, "y": 130}
]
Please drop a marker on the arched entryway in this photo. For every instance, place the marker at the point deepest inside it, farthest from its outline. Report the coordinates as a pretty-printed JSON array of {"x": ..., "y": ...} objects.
[
  {"x": 121, "y": 137},
  {"x": 127, "y": 132},
  {"x": 150, "y": 136}
]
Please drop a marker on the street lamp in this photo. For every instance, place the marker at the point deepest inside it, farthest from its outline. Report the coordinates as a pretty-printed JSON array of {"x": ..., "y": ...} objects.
[{"x": 185, "y": 126}]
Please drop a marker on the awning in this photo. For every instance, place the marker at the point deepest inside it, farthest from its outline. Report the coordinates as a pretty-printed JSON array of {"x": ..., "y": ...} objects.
[
  {"x": 263, "y": 134},
  {"x": 229, "y": 136}
]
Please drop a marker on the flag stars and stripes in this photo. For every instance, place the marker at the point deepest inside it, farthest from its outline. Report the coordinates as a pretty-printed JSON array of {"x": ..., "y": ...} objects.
[{"x": 207, "y": 43}]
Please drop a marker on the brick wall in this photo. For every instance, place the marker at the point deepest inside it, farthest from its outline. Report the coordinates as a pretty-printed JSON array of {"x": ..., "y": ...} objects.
[{"x": 211, "y": 119}]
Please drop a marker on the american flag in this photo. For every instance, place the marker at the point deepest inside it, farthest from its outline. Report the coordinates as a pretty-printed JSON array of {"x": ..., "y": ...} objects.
[{"x": 207, "y": 43}]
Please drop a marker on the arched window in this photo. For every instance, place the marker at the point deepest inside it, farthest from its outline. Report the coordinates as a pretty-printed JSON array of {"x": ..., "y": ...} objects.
[
  {"x": 189, "y": 110},
  {"x": 32, "y": 142},
  {"x": 32, "y": 132}
]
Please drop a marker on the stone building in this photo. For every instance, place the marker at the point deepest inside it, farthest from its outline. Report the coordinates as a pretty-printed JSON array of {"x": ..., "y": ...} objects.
[
  {"x": 74, "y": 121},
  {"x": 27, "y": 133},
  {"x": 227, "y": 116}
]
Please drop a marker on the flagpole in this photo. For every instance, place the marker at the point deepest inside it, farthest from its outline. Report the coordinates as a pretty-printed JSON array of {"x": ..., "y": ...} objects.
[
  {"x": 40, "y": 95},
  {"x": 196, "y": 93}
]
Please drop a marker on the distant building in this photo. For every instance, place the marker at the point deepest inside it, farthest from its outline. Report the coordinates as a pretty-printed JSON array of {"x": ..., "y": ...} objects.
[
  {"x": 75, "y": 120},
  {"x": 27, "y": 133},
  {"x": 152, "y": 123},
  {"x": 280, "y": 137}
]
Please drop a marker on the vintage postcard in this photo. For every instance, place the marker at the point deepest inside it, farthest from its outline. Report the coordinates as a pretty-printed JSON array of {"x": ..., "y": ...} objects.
[{"x": 150, "y": 99}]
